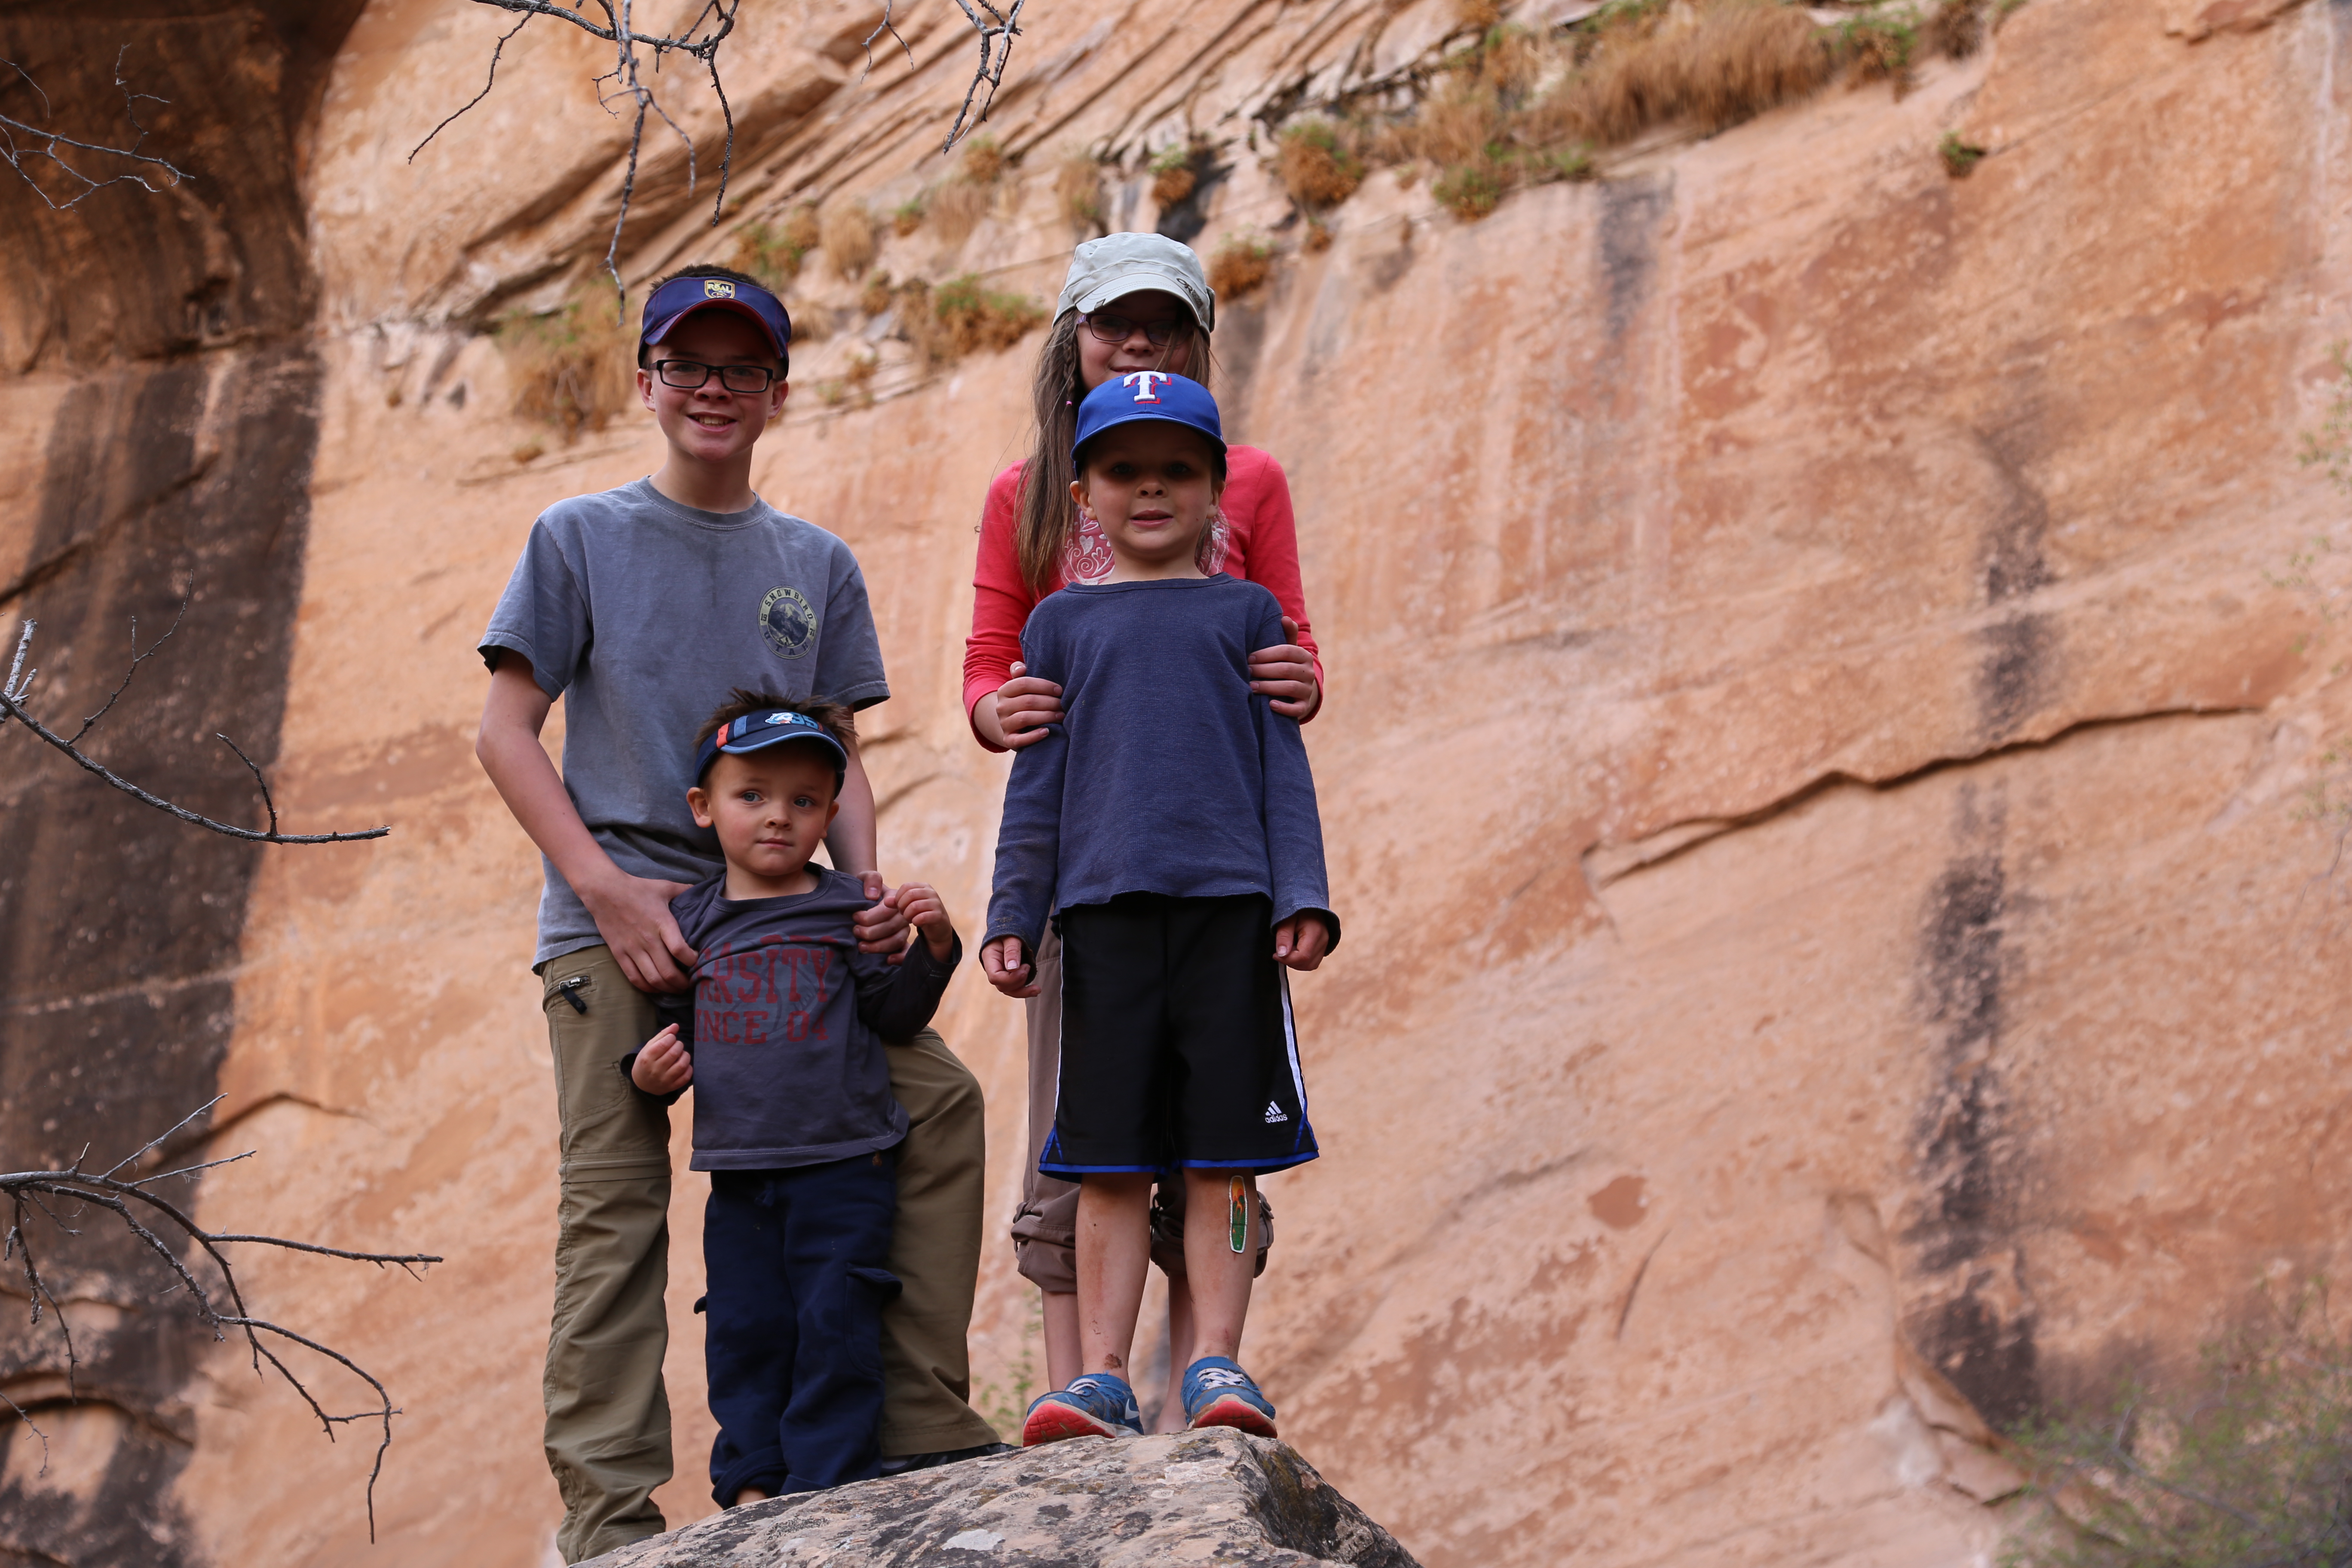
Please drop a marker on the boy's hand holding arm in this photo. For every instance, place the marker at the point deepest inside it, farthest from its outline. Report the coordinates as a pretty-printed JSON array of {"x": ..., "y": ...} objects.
[
  {"x": 924, "y": 910},
  {"x": 898, "y": 997},
  {"x": 632, "y": 913},
  {"x": 663, "y": 1066}
]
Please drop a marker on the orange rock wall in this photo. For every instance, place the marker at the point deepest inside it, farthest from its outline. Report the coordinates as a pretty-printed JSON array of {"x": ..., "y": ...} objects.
[{"x": 1818, "y": 766}]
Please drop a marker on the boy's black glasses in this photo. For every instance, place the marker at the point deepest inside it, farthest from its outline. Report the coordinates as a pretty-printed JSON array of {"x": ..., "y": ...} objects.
[
  {"x": 688, "y": 375},
  {"x": 1119, "y": 329}
]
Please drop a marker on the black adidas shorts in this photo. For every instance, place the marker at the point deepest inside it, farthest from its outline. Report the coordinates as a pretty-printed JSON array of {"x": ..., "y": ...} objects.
[{"x": 1177, "y": 1043}]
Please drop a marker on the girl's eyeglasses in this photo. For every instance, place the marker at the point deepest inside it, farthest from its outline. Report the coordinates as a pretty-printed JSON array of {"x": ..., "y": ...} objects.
[
  {"x": 687, "y": 374},
  {"x": 1113, "y": 329}
]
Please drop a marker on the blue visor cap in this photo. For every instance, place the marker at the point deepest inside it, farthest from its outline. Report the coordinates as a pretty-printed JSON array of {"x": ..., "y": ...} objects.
[
  {"x": 1148, "y": 395},
  {"x": 757, "y": 732},
  {"x": 679, "y": 298}
]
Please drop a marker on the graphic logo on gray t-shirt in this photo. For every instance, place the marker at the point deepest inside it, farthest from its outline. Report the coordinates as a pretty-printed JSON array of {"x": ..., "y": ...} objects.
[{"x": 787, "y": 622}]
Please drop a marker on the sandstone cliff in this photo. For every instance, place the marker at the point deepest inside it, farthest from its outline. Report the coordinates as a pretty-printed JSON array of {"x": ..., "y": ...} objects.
[{"x": 1827, "y": 764}]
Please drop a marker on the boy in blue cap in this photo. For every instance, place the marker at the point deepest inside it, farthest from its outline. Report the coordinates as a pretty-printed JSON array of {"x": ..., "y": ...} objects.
[
  {"x": 1168, "y": 827},
  {"x": 793, "y": 1113},
  {"x": 641, "y": 608}
]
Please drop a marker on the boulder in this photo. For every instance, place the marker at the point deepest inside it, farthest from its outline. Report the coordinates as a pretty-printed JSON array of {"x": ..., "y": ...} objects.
[{"x": 1189, "y": 1497}]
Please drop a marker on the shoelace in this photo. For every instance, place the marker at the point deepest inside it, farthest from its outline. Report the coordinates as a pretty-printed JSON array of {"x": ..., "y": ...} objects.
[
  {"x": 1096, "y": 1388},
  {"x": 1223, "y": 1377}
]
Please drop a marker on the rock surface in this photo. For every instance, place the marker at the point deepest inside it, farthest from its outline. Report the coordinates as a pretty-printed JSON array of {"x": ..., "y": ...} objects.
[
  {"x": 1190, "y": 1497},
  {"x": 1830, "y": 766}
]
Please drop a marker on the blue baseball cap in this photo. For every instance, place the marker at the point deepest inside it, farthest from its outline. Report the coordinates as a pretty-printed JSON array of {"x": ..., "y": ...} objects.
[
  {"x": 1148, "y": 395},
  {"x": 769, "y": 727},
  {"x": 679, "y": 298}
]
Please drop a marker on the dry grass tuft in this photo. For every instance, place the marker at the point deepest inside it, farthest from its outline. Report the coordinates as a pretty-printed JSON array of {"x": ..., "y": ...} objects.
[
  {"x": 1318, "y": 236},
  {"x": 908, "y": 215},
  {"x": 573, "y": 368},
  {"x": 1241, "y": 264},
  {"x": 1960, "y": 157},
  {"x": 1457, "y": 124},
  {"x": 1716, "y": 66},
  {"x": 1077, "y": 190},
  {"x": 1173, "y": 176},
  {"x": 956, "y": 209},
  {"x": 1477, "y": 15},
  {"x": 875, "y": 297},
  {"x": 983, "y": 161},
  {"x": 1957, "y": 28},
  {"x": 965, "y": 317},
  {"x": 1317, "y": 165},
  {"x": 1470, "y": 190},
  {"x": 846, "y": 230},
  {"x": 773, "y": 253},
  {"x": 1880, "y": 48}
]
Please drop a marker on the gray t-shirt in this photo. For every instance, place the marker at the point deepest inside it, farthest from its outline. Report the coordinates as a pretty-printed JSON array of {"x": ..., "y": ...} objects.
[{"x": 643, "y": 615}]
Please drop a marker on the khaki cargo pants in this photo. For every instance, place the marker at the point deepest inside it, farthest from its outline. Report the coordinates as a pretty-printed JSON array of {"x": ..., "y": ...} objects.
[{"x": 607, "y": 1414}]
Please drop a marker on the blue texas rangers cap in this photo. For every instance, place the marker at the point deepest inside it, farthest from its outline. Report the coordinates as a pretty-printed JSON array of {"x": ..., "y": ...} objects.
[
  {"x": 679, "y": 298},
  {"x": 769, "y": 727},
  {"x": 1148, "y": 395}
]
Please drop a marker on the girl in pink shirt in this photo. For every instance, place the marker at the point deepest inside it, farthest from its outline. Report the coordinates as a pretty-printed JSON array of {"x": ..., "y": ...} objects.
[{"x": 1133, "y": 302}]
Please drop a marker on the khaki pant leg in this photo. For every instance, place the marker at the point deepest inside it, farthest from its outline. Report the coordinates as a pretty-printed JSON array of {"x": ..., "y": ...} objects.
[
  {"x": 935, "y": 1253},
  {"x": 1046, "y": 1226},
  {"x": 607, "y": 1430}
]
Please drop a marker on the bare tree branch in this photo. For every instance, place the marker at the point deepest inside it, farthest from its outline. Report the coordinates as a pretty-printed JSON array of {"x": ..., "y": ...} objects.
[
  {"x": 128, "y": 1202},
  {"x": 12, "y": 706},
  {"x": 39, "y": 143},
  {"x": 622, "y": 91},
  {"x": 996, "y": 35},
  {"x": 495, "y": 50}
]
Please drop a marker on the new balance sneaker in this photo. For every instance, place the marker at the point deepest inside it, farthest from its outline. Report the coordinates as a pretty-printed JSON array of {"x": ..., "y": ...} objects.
[
  {"x": 1095, "y": 1406},
  {"x": 1217, "y": 1392}
]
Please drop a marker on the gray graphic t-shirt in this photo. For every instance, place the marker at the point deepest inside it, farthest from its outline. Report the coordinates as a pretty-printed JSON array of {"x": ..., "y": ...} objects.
[{"x": 642, "y": 615}]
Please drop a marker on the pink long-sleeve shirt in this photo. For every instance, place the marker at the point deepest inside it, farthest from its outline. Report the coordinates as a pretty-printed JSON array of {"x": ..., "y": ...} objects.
[{"x": 1260, "y": 544}]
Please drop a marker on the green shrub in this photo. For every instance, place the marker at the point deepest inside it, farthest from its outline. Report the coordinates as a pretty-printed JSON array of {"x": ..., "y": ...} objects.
[
  {"x": 1960, "y": 157},
  {"x": 1470, "y": 190},
  {"x": 2249, "y": 1466}
]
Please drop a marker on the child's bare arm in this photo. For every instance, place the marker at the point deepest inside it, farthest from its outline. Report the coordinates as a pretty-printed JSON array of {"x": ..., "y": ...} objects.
[
  {"x": 664, "y": 1066},
  {"x": 632, "y": 913}
]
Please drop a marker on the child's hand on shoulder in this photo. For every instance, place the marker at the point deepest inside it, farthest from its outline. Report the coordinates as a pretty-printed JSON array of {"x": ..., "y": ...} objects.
[
  {"x": 664, "y": 1067},
  {"x": 1300, "y": 942},
  {"x": 1008, "y": 968},
  {"x": 920, "y": 903}
]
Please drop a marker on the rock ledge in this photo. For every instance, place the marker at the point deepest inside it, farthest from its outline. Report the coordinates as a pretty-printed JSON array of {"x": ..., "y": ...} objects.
[{"x": 1214, "y": 1497}]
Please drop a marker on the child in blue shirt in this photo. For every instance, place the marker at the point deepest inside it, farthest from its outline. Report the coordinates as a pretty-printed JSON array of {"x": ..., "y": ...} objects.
[
  {"x": 794, "y": 1117},
  {"x": 1168, "y": 827}
]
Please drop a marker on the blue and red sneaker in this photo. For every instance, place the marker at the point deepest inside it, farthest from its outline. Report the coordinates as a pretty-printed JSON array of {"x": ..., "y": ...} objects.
[
  {"x": 1096, "y": 1405},
  {"x": 1218, "y": 1393}
]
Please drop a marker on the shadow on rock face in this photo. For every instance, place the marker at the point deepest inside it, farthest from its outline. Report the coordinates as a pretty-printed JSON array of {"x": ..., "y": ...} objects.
[{"x": 1190, "y": 1497}]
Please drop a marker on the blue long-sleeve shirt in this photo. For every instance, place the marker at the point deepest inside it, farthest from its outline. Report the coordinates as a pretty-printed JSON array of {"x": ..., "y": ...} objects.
[{"x": 1167, "y": 775}]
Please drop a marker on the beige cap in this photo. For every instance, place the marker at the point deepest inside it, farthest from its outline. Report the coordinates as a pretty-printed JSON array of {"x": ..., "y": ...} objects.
[{"x": 1104, "y": 269}]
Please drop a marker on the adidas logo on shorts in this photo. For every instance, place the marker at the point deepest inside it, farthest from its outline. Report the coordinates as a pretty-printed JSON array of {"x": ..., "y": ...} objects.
[{"x": 1275, "y": 1113}]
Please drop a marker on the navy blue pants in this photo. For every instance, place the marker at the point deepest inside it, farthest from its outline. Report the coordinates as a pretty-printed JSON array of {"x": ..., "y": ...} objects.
[{"x": 794, "y": 1345}]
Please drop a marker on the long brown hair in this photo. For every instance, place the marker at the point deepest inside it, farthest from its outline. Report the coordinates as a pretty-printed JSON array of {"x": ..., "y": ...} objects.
[{"x": 1043, "y": 517}]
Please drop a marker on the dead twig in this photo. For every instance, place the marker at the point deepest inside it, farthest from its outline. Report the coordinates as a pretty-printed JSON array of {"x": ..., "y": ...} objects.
[
  {"x": 39, "y": 142},
  {"x": 145, "y": 1213},
  {"x": 12, "y": 706},
  {"x": 996, "y": 34},
  {"x": 624, "y": 92}
]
